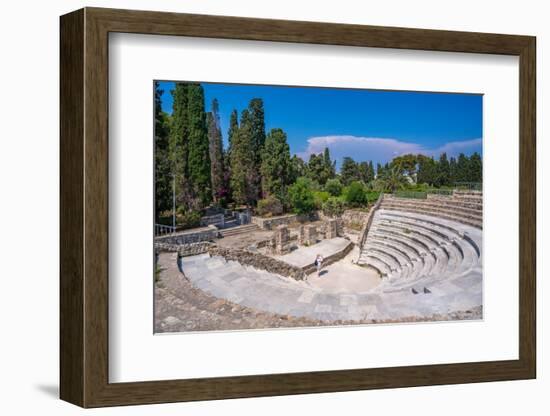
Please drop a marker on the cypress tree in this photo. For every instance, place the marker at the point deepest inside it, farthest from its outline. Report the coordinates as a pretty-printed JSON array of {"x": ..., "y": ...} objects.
[
  {"x": 276, "y": 165},
  {"x": 199, "y": 157},
  {"x": 329, "y": 168},
  {"x": 216, "y": 153},
  {"x": 462, "y": 168},
  {"x": 163, "y": 179},
  {"x": 179, "y": 145},
  {"x": 444, "y": 171},
  {"x": 475, "y": 168},
  {"x": 371, "y": 171},
  {"x": 257, "y": 132},
  {"x": 243, "y": 163},
  {"x": 452, "y": 171}
]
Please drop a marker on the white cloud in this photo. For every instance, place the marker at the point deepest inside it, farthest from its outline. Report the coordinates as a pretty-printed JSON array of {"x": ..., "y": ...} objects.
[{"x": 380, "y": 149}]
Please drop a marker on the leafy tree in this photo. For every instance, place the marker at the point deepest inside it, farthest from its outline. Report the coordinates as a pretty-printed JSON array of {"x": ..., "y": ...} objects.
[
  {"x": 297, "y": 168},
  {"x": 219, "y": 190},
  {"x": 329, "y": 168},
  {"x": 355, "y": 194},
  {"x": 163, "y": 177},
  {"x": 366, "y": 171},
  {"x": 349, "y": 171},
  {"x": 379, "y": 170},
  {"x": 276, "y": 166},
  {"x": 315, "y": 167},
  {"x": 394, "y": 179},
  {"x": 199, "y": 154},
  {"x": 406, "y": 164},
  {"x": 333, "y": 207},
  {"x": 333, "y": 187},
  {"x": 301, "y": 197}
]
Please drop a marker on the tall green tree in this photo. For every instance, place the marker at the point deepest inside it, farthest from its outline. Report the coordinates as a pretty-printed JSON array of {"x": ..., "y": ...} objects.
[
  {"x": 163, "y": 179},
  {"x": 443, "y": 171},
  {"x": 243, "y": 163},
  {"x": 199, "y": 152},
  {"x": 329, "y": 168},
  {"x": 427, "y": 170},
  {"x": 179, "y": 146},
  {"x": 452, "y": 170},
  {"x": 366, "y": 171},
  {"x": 462, "y": 168},
  {"x": 276, "y": 165},
  {"x": 257, "y": 131},
  {"x": 475, "y": 168},
  {"x": 371, "y": 171},
  {"x": 216, "y": 153},
  {"x": 298, "y": 168},
  {"x": 349, "y": 171}
]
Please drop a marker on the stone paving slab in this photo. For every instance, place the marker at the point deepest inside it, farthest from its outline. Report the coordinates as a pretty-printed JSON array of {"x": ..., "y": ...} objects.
[
  {"x": 276, "y": 294},
  {"x": 305, "y": 256}
]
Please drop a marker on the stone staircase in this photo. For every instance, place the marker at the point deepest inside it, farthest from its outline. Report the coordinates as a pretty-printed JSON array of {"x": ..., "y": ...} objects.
[{"x": 240, "y": 229}]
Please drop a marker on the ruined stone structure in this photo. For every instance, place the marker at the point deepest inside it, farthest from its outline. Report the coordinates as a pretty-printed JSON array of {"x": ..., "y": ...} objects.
[{"x": 282, "y": 237}]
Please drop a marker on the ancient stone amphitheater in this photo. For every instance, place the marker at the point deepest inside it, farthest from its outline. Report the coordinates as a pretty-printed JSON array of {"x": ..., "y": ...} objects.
[
  {"x": 426, "y": 246},
  {"x": 427, "y": 253}
]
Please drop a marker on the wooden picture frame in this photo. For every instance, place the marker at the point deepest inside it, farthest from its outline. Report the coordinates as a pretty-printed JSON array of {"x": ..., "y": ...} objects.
[{"x": 84, "y": 207}]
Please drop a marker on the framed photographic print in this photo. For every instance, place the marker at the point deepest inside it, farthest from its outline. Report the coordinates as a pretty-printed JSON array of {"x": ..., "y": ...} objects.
[{"x": 256, "y": 207}]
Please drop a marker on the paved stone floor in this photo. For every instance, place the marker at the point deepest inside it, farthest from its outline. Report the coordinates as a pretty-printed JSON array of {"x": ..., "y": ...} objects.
[
  {"x": 221, "y": 300},
  {"x": 304, "y": 256}
]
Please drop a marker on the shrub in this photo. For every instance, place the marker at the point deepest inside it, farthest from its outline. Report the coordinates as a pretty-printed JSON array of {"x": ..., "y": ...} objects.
[
  {"x": 333, "y": 187},
  {"x": 372, "y": 197},
  {"x": 269, "y": 206},
  {"x": 355, "y": 194},
  {"x": 188, "y": 219},
  {"x": 300, "y": 195},
  {"x": 320, "y": 197},
  {"x": 333, "y": 207}
]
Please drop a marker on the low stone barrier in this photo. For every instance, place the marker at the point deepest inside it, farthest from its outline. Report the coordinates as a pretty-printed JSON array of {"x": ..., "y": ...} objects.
[
  {"x": 333, "y": 258},
  {"x": 259, "y": 261},
  {"x": 195, "y": 235},
  {"x": 354, "y": 217},
  {"x": 272, "y": 223},
  {"x": 184, "y": 250}
]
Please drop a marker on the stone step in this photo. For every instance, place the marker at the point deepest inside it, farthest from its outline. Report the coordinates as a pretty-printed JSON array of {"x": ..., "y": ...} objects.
[
  {"x": 474, "y": 223},
  {"x": 226, "y": 232}
]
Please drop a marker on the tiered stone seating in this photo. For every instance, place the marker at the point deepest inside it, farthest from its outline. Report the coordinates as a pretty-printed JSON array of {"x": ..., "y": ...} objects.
[
  {"x": 423, "y": 243},
  {"x": 465, "y": 207}
]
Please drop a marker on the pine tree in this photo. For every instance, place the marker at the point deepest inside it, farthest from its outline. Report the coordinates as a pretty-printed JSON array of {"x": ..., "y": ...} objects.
[
  {"x": 199, "y": 157},
  {"x": 276, "y": 165},
  {"x": 216, "y": 153},
  {"x": 427, "y": 170},
  {"x": 315, "y": 167},
  {"x": 163, "y": 179},
  {"x": 379, "y": 170},
  {"x": 179, "y": 146},
  {"x": 349, "y": 171},
  {"x": 231, "y": 133}
]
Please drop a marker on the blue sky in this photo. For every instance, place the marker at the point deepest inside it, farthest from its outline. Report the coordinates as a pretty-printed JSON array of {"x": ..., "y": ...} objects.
[{"x": 364, "y": 124}]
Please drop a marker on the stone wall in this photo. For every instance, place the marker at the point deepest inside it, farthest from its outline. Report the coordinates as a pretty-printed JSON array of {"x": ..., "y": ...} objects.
[
  {"x": 259, "y": 261},
  {"x": 273, "y": 222},
  {"x": 195, "y": 235},
  {"x": 184, "y": 250},
  {"x": 333, "y": 258},
  {"x": 352, "y": 217}
]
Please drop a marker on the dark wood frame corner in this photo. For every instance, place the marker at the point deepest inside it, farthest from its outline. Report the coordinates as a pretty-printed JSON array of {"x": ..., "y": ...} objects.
[{"x": 84, "y": 207}]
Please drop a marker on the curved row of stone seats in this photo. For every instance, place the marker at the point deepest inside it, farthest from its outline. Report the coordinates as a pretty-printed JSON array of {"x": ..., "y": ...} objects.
[
  {"x": 409, "y": 248},
  {"x": 447, "y": 213},
  {"x": 433, "y": 207}
]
